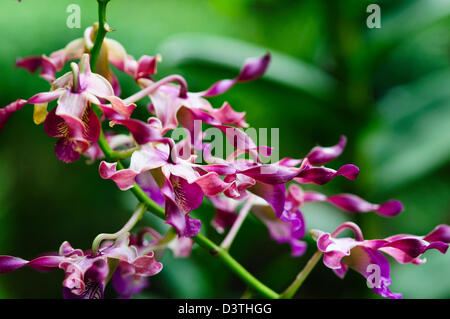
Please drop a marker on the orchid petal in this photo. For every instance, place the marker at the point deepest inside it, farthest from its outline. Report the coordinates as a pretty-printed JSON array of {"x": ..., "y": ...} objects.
[
  {"x": 273, "y": 194},
  {"x": 253, "y": 68},
  {"x": 8, "y": 110},
  {"x": 321, "y": 155},
  {"x": 322, "y": 175},
  {"x": 143, "y": 133},
  {"x": 9, "y": 263},
  {"x": 69, "y": 150}
]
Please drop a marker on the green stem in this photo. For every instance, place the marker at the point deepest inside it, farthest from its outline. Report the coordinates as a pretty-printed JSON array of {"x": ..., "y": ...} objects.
[
  {"x": 237, "y": 268},
  {"x": 101, "y": 32},
  {"x": 292, "y": 289},
  {"x": 154, "y": 208},
  {"x": 137, "y": 215}
]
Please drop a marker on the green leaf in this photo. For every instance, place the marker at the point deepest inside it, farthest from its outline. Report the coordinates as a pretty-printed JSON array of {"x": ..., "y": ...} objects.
[{"x": 413, "y": 137}]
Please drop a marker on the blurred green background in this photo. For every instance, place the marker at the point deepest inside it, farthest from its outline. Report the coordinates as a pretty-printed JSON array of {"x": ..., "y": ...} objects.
[{"x": 386, "y": 89}]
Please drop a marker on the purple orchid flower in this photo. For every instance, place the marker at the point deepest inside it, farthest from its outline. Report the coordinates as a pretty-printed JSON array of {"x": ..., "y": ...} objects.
[
  {"x": 55, "y": 62},
  {"x": 242, "y": 175},
  {"x": 73, "y": 120},
  {"x": 87, "y": 274},
  {"x": 176, "y": 180},
  {"x": 341, "y": 253},
  {"x": 112, "y": 52},
  {"x": 145, "y": 67}
]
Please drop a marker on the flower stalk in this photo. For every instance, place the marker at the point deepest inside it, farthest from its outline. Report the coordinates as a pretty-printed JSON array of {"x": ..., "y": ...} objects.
[
  {"x": 237, "y": 224},
  {"x": 137, "y": 215},
  {"x": 154, "y": 86},
  {"x": 304, "y": 273},
  {"x": 101, "y": 33}
]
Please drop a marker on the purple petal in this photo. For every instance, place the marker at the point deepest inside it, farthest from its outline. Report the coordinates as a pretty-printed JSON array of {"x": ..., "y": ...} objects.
[
  {"x": 211, "y": 184},
  {"x": 143, "y": 133},
  {"x": 147, "y": 66},
  {"x": 46, "y": 263},
  {"x": 271, "y": 174},
  {"x": 321, "y": 155},
  {"x": 322, "y": 175},
  {"x": 142, "y": 160},
  {"x": 118, "y": 108},
  {"x": 187, "y": 196},
  {"x": 31, "y": 64},
  {"x": 280, "y": 230},
  {"x": 253, "y": 68},
  {"x": 361, "y": 258},
  {"x": 92, "y": 126},
  {"x": 71, "y": 107},
  {"x": 440, "y": 233},
  {"x": 408, "y": 249},
  {"x": 289, "y": 162},
  {"x": 390, "y": 208},
  {"x": 147, "y": 265},
  {"x": 219, "y": 87},
  {"x": 55, "y": 126},
  {"x": 355, "y": 204},
  {"x": 150, "y": 187},
  {"x": 93, "y": 290},
  {"x": 129, "y": 285},
  {"x": 184, "y": 225},
  {"x": 273, "y": 194},
  {"x": 69, "y": 150},
  {"x": 9, "y": 263},
  {"x": 226, "y": 115},
  {"x": 8, "y": 110},
  {"x": 45, "y": 97}
]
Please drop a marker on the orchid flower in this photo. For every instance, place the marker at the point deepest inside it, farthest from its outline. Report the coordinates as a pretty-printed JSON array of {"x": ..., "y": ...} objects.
[
  {"x": 87, "y": 274},
  {"x": 240, "y": 175},
  {"x": 341, "y": 253},
  {"x": 111, "y": 52},
  {"x": 176, "y": 179},
  {"x": 73, "y": 120}
]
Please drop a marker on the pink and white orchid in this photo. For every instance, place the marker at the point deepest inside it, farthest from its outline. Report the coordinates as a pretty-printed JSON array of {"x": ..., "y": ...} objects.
[
  {"x": 87, "y": 273},
  {"x": 357, "y": 253}
]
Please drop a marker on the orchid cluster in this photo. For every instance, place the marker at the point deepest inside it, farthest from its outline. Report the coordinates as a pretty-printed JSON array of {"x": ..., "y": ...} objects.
[{"x": 170, "y": 179}]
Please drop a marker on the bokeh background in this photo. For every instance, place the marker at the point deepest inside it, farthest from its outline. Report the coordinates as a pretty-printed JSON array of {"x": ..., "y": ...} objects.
[{"x": 386, "y": 89}]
